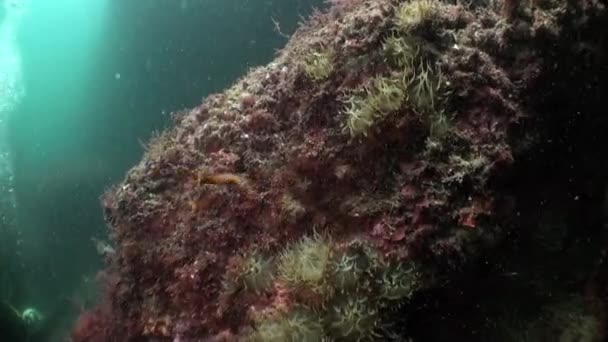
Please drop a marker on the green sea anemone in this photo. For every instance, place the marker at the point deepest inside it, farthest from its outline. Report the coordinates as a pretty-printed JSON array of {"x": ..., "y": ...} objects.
[
  {"x": 318, "y": 65},
  {"x": 398, "y": 281},
  {"x": 305, "y": 265},
  {"x": 412, "y": 13},
  {"x": 401, "y": 51},
  {"x": 416, "y": 84},
  {"x": 380, "y": 98},
  {"x": 257, "y": 273},
  {"x": 424, "y": 84},
  {"x": 352, "y": 268},
  {"x": 353, "y": 318},
  {"x": 300, "y": 325},
  {"x": 338, "y": 292}
]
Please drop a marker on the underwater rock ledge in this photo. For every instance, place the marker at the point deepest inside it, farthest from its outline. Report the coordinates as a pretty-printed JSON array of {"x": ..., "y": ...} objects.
[{"x": 399, "y": 163}]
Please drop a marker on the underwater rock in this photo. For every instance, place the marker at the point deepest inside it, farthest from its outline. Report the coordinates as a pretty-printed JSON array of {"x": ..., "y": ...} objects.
[{"x": 383, "y": 164}]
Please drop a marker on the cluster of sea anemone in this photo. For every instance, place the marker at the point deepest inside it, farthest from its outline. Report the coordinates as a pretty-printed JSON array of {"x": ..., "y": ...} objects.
[
  {"x": 414, "y": 84},
  {"x": 338, "y": 291}
]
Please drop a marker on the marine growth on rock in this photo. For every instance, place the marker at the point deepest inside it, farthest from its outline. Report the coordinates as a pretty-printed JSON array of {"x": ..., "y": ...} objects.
[{"x": 387, "y": 177}]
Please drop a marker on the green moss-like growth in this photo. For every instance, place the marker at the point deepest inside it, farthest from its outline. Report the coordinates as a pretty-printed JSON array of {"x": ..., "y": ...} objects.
[
  {"x": 299, "y": 325},
  {"x": 304, "y": 267},
  {"x": 318, "y": 66},
  {"x": 410, "y": 14},
  {"x": 353, "y": 318}
]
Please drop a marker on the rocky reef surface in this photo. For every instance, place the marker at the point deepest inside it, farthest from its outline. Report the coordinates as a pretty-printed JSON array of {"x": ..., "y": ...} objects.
[{"x": 418, "y": 170}]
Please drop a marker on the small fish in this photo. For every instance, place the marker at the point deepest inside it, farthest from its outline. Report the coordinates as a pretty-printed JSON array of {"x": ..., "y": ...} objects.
[{"x": 221, "y": 178}]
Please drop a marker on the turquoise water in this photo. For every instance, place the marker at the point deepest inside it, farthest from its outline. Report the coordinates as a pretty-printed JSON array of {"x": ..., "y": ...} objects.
[{"x": 99, "y": 77}]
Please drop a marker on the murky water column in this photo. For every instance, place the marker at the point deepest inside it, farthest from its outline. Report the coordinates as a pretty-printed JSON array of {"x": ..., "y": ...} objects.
[{"x": 12, "y": 91}]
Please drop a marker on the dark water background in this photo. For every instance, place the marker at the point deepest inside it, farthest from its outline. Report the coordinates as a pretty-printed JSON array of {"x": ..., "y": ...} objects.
[{"x": 101, "y": 76}]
